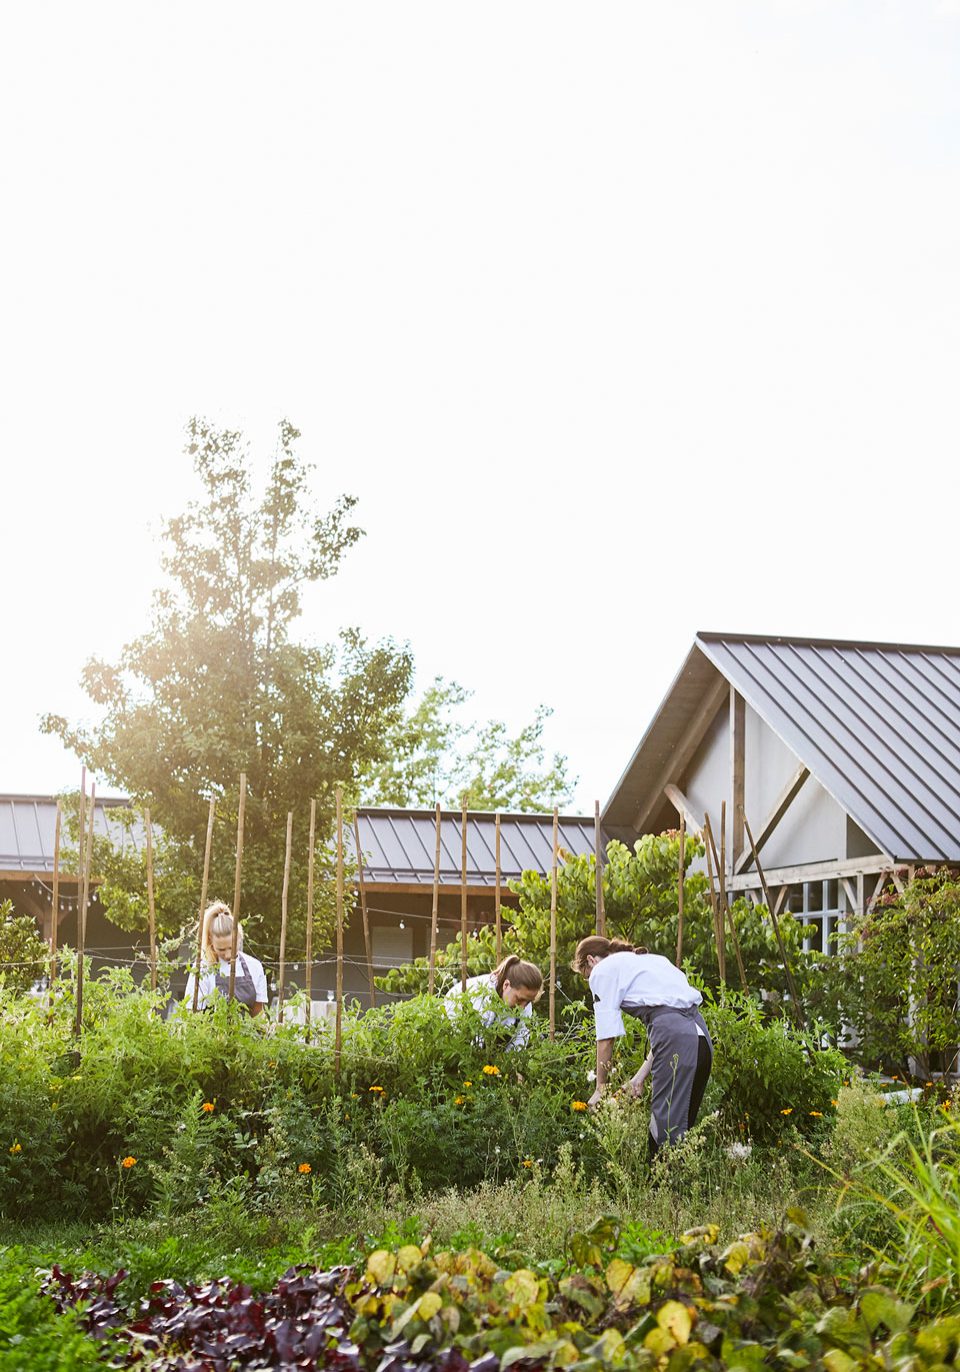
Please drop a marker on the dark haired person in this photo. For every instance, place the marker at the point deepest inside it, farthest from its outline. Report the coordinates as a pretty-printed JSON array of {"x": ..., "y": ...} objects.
[
  {"x": 627, "y": 980},
  {"x": 504, "y": 997}
]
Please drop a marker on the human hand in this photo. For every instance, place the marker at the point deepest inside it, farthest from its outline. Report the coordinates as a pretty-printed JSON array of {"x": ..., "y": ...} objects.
[
  {"x": 595, "y": 1099},
  {"x": 637, "y": 1082}
]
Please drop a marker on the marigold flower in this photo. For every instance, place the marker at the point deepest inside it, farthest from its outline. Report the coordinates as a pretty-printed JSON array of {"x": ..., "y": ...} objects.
[
  {"x": 128, "y": 1163},
  {"x": 788, "y": 1111},
  {"x": 305, "y": 1168},
  {"x": 817, "y": 1114},
  {"x": 459, "y": 1100},
  {"x": 834, "y": 1102},
  {"x": 16, "y": 1147},
  {"x": 208, "y": 1106},
  {"x": 528, "y": 1162},
  {"x": 468, "y": 1083},
  {"x": 380, "y": 1089},
  {"x": 491, "y": 1071},
  {"x": 578, "y": 1105}
]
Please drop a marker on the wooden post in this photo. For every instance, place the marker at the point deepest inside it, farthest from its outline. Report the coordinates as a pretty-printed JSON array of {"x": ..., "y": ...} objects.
[
  {"x": 719, "y": 915},
  {"x": 498, "y": 927},
  {"x": 713, "y": 897},
  {"x": 722, "y": 880},
  {"x": 309, "y": 948},
  {"x": 82, "y": 838},
  {"x": 367, "y": 945},
  {"x": 207, "y": 847},
  {"x": 284, "y": 898},
  {"x": 794, "y": 991},
  {"x": 236, "y": 884},
  {"x": 738, "y": 729},
  {"x": 598, "y": 864},
  {"x": 463, "y": 893},
  {"x": 55, "y": 899},
  {"x": 553, "y": 930},
  {"x": 151, "y": 905},
  {"x": 82, "y": 911},
  {"x": 434, "y": 910},
  {"x": 681, "y": 873},
  {"x": 338, "y": 1039}
]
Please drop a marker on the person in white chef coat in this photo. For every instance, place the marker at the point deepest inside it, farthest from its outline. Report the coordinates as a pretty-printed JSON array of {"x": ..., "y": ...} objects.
[{"x": 504, "y": 998}]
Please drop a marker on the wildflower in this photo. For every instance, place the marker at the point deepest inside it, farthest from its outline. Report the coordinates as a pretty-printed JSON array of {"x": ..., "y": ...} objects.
[
  {"x": 346, "y": 1114},
  {"x": 16, "y": 1147},
  {"x": 928, "y": 1083},
  {"x": 591, "y": 1075},
  {"x": 739, "y": 1152},
  {"x": 834, "y": 1102},
  {"x": 128, "y": 1163},
  {"x": 208, "y": 1107},
  {"x": 468, "y": 1083},
  {"x": 305, "y": 1169},
  {"x": 491, "y": 1071},
  {"x": 354, "y": 1095},
  {"x": 459, "y": 1100},
  {"x": 378, "y": 1089},
  {"x": 817, "y": 1114},
  {"x": 528, "y": 1162},
  {"x": 578, "y": 1105},
  {"x": 788, "y": 1111}
]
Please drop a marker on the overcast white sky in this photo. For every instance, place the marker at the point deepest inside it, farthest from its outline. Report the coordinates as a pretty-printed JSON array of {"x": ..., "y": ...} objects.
[{"x": 621, "y": 320}]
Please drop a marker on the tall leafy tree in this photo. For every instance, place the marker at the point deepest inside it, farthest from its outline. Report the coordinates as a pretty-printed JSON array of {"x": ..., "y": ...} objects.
[{"x": 219, "y": 684}]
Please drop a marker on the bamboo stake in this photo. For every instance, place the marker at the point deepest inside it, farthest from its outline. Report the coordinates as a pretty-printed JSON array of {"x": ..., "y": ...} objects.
[
  {"x": 434, "y": 910},
  {"x": 55, "y": 898},
  {"x": 794, "y": 991},
  {"x": 151, "y": 906},
  {"x": 367, "y": 945},
  {"x": 713, "y": 896},
  {"x": 82, "y": 912},
  {"x": 553, "y": 930},
  {"x": 236, "y": 884},
  {"x": 727, "y": 913},
  {"x": 718, "y": 911},
  {"x": 496, "y": 895},
  {"x": 207, "y": 847},
  {"x": 338, "y": 1039},
  {"x": 309, "y": 948},
  {"x": 681, "y": 873},
  {"x": 284, "y": 898},
  {"x": 83, "y": 836},
  {"x": 463, "y": 893},
  {"x": 598, "y": 864}
]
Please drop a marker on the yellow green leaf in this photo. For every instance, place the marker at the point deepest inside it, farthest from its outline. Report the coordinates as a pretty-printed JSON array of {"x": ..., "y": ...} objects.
[
  {"x": 837, "y": 1361},
  {"x": 618, "y": 1274},
  {"x": 734, "y": 1257},
  {"x": 523, "y": 1287},
  {"x": 381, "y": 1266},
  {"x": 408, "y": 1257},
  {"x": 677, "y": 1319},
  {"x": 428, "y": 1305}
]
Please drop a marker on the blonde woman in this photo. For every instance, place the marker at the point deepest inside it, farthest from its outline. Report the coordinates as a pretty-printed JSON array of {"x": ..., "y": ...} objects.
[
  {"x": 250, "y": 982},
  {"x": 504, "y": 997}
]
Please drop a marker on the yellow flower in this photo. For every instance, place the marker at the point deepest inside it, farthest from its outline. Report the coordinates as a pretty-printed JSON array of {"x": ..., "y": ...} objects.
[
  {"x": 346, "y": 1114},
  {"x": 528, "y": 1162},
  {"x": 208, "y": 1106},
  {"x": 578, "y": 1105},
  {"x": 377, "y": 1088},
  {"x": 354, "y": 1095},
  {"x": 491, "y": 1071},
  {"x": 459, "y": 1100},
  {"x": 834, "y": 1102},
  {"x": 305, "y": 1168},
  {"x": 468, "y": 1083},
  {"x": 16, "y": 1148},
  {"x": 928, "y": 1083},
  {"x": 128, "y": 1163},
  {"x": 788, "y": 1111},
  {"x": 817, "y": 1114}
]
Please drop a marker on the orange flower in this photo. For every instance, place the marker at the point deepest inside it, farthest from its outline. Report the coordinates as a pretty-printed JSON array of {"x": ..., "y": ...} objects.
[
  {"x": 578, "y": 1105},
  {"x": 491, "y": 1071},
  {"x": 459, "y": 1100},
  {"x": 817, "y": 1114},
  {"x": 128, "y": 1163},
  {"x": 528, "y": 1162},
  {"x": 305, "y": 1168},
  {"x": 208, "y": 1106},
  {"x": 834, "y": 1102}
]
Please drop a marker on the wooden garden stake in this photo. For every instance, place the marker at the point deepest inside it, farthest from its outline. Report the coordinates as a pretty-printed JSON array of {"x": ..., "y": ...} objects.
[
  {"x": 338, "y": 1039},
  {"x": 151, "y": 905},
  {"x": 83, "y": 837},
  {"x": 367, "y": 945},
  {"x": 598, "y": 864},
  {"x": 553, "y": 930},
  {"x": 463, "y": 893},
  {"x": 284, "y": 898},
  {"x": 725, "y": 912},
  {"x": 434, "y": 909},
  {"x": 681, "y": 873},
  {"x": 82, "y": 911},
  {"x": 236, "y": 883},
  {"x": 207, "y": 847},
  {"x": 794, "y": 991},
  {"x": 713, "y": 895},
  {"x": 309, "y": 949},
  {"x": 498, "y": 928},
  {"x": 55, "y": 899}
]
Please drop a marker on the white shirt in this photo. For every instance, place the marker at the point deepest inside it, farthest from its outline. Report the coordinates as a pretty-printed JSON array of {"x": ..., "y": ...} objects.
[
  {"x": 482, "y": 994},
  {"x": 208, "y": 982},
  {"x": 635, "y": 979}
]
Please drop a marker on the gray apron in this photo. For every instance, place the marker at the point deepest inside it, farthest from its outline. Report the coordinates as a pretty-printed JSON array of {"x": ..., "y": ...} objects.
[
  {"x": 677, "y": 1087},
  {"x": 244, "y": 990}
]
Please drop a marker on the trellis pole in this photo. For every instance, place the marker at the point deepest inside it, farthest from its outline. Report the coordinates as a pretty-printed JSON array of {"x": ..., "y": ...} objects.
[
  {"x": 681, "y": 873},
  {"x": 434, "y": 909},
  {"x": 151, "y": 904},
  {"x": 55, "y": 898},
  {"x": 309, "y": 948},
  {"x": 82, "y": 911},
  {"x": 463, "y": 893},
  {"x": 338, "y": 1039},
  {"x": 498, "y": 927},
  {"x": 367, "y": 945},
  {"x": 553, "y": 930},
  {"x": 236, "y": 883},
  {"x": 794, "y": 990},
  {"x": 207, "y": 848},
  {"x": 284, "y": 899},
  {"x": 713, "y": 896},
  {"x": 598, "y": 873}
]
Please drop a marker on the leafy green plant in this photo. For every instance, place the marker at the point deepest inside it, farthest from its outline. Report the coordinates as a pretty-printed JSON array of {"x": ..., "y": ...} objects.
[{"x": 23, "y": 954}]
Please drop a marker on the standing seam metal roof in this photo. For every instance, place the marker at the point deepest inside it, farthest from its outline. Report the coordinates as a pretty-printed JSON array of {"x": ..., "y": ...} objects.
[{"x": 877, "y": 724}]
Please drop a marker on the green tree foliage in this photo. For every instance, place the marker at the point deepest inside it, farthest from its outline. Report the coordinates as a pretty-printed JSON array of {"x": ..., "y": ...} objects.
[
  {"x": 218, "y": 685},
  {"x": 434, "y": 757},
  {"x": 22, "y": 952}
]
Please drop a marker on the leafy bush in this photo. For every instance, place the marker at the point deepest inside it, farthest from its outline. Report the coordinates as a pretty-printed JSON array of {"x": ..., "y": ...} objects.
[{"x": 23, "y": 953}]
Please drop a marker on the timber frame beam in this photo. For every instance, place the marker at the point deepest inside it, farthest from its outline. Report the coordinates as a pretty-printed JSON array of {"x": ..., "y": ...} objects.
[
  {"x": 780, "y": 808},
  {"x": 680, "y": 755}
]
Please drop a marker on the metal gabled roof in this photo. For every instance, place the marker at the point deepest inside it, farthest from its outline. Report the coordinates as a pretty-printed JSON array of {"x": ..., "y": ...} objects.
[
  {"x": 28, "y": 828},
  {"x": 399, "y": 845},
  {"x": 878, "y": 725}
]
